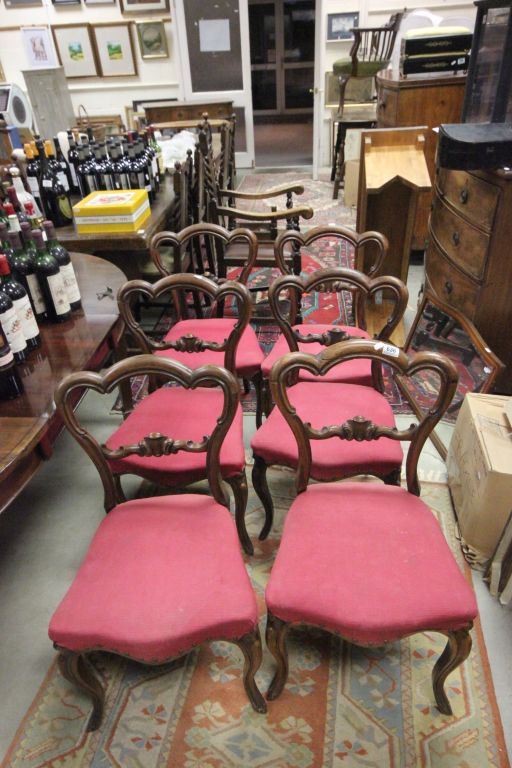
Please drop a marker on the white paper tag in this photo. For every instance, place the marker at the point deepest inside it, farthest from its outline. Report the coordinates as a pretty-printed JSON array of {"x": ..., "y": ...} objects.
[
  {"x": 63, "y": 180},
  {"x": 387, "y": 349},
  {"x": 58, "y": 292},
  {"x": 26, "y": 316},
  {"x": 47, "y": 184},
  {"x": 70, "y": 283}
]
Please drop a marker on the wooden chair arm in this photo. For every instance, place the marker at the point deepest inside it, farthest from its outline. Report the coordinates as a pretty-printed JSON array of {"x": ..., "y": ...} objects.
[
  {"x": 305, "y": 211},
  {"x": 273, "y": 192}
]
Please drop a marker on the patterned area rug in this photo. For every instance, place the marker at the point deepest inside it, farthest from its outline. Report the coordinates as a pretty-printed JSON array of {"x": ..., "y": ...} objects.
[{"x": 342, "y": 706}]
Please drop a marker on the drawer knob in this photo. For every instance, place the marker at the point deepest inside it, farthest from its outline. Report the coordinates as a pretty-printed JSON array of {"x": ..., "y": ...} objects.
[
  {"x": 448, "y": 286},
  {"x": 455, "y": 238},
  {"x": 464, "y": 195}
]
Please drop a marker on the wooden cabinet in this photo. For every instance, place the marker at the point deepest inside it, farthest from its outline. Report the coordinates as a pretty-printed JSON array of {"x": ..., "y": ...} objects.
[
  {"x": 468, "y": 263},
  {"x": 420, "y": 101},
  {"x": 161, "y": 112}
]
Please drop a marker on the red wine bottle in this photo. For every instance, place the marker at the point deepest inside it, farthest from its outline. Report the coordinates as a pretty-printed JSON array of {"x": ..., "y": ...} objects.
[
  {"x": 51, "y": 281},
  {"x": 55, "y": 196},
  {"x": 10, "y": 382},
  {"x": 66, "y": 267},
  {"x": 22, "y": 264},
  {"x": 18, "y": 295},
  {"x": 12, "y": 328}
]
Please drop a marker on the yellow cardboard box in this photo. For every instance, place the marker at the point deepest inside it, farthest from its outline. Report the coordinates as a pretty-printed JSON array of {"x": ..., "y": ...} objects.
[
  {"x": 479, "y": 466},
  {"x": 124, "y": 210}
]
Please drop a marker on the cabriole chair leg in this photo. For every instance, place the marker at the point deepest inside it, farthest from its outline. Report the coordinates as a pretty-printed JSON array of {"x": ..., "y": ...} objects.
[
  {"x": 77, "y": 670},
  {"x": 238, "y": 484},
  {"x": 250, "y": 645},
  {"x": 456, "y": 651},
  {"x": 275, "y": 637},
  {"x": 259, "y": 481}
]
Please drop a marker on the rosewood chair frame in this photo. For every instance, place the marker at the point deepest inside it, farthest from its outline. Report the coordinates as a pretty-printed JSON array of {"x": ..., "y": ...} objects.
[
  {"x": 75, "y": 666},
  {"x": 177, "y": 284},
  {"x": 335, "y": 279},
  {"x": 359, "y": 428}
]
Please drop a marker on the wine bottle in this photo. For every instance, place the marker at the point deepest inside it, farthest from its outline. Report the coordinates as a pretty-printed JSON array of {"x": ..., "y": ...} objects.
[
  {"x": 18, "y": 210},
  {"x": 22, "y": 195},
  {"x": 158, "y": 149},
  {"x": 63, "y": 164},
  {"x": 144, "y": 167},
  {"x": 12, "y": 219},
  {"x": 86, "y": 175},
  {"x": 33, "y": 173},
  {"x": 10, "y": 382},
  {"x": 66, "y": 267},
  {"x": 11, "y": 325},
  {"x": 120, "y": 175},
  {"x": 4, "y": 236},
  {"x": 151, "y": 155},
  {"x": 22, "y": 264},
  {"x": 55, "y": 165},
  {"x": 34, "y": 221},
  {"x": 51, "y": 281},
  {"x": 55, "y": 197},
  {"x": 73, "y": 164},
  {"x": 21, "y": 302}
]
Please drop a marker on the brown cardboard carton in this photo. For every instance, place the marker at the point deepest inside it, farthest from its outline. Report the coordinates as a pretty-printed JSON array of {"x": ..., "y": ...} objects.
[{"x": 480, "y": 473}]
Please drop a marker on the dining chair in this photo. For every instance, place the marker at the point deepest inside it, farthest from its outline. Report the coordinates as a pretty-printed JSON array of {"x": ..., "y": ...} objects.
[
  {"x": 365, "y": 560},
  {"x": 163, "y": 574}
]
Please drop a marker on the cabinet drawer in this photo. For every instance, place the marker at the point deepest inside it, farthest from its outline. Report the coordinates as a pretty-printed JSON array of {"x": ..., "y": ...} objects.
[
  {"x": 448, "y": 283},
  {"x": 465, "y": 245},
  {"x": 474, "y": 198}
]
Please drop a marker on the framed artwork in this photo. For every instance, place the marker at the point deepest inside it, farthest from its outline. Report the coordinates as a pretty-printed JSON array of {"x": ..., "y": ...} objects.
[
  {"x": 114, "y": 49},
  {"x": 2, "y": 74},
  {"x": 75, "y": 49},
  {"x": 339, "y": 25},
  {"x": 21, "y": 3},
  {"x": 100, "y": 2},
  {"x": 143, "y": 6},
  {"x": 152, "y": 40},
  {"x": 38, "y": 47},
  {"x": 66, "y": 2}
]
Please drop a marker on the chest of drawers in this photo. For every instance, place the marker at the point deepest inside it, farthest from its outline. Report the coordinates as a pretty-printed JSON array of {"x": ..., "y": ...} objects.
[{"x": 469, "y": 257}]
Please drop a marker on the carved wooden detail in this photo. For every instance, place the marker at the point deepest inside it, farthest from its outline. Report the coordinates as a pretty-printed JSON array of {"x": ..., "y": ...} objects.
[{"x": 156, "y": 444}]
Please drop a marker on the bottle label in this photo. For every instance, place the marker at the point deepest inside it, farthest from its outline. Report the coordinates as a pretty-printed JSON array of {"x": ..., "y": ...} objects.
[
  {"x": 34, "y": 186},
  {"x": 36, "y": 295},
  {"x": 63, "y": 180},
  {"x": 23, "y": 309},
  {"x": 70, "y": 283},
  {"x": 6, "y": 358},
  {"x": 65, "y": 207},
  {"x": 12, "y": 329},
  {"x": 58, "y": 292},
  {"x": 73, "y": 174},
  {"x": 141, "y": 181},
  {"x": 91, "y": 182},
  {"x": 154, "y": 166},
  {"x": 47, "y": 183},
  {"x": 14, "y": 224},
  {"x": 107, "y": 181}
]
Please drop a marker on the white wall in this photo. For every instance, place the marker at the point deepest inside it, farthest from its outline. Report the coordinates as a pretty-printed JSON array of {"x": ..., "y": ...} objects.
[{"x": 157, "y": 78}]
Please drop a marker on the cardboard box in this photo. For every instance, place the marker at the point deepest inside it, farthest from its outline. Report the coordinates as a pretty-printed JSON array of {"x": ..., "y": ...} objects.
[
  {"x": 124, "y": 210},
  {"x": 480, "y": 473},
  {"x": 351, "y": 182}
]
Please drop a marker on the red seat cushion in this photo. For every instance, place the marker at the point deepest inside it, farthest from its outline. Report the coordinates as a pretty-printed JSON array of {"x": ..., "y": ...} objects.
[
  {"x": 323, "y": 405},
  {"x": 249, "y": 355},
  {"x": 161, "y": 575},
  {"x": 369, "y": 562},
  {"x": 353, "y": 371},
  {"x": 182, "y": 414}
]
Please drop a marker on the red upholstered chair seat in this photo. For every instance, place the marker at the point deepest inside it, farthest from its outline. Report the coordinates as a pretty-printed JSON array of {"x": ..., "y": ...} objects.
[
  {"x": 324, "y": 404},
  {"x": 249, "y": 355},
  {"x": 195, "y": 411},
  {"x": 353, "y": 371},
  {"x": 369, "y": 562},
  {"x": 161, "y": 575}
]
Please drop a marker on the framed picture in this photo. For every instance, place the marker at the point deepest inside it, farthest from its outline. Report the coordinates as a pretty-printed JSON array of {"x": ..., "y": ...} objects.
[
  {"x": 152, "y": 40},
  {"x": 66, "y": 2},
  {"x": 143, "y": 6},
  {"x": 21, "y": 3},
  {"x": 75, "y": 49},
  {"x": 2, "y": 74},
  {"x": 100, "y": 2},
  {"x": 38, "y": 47},
  {"x": 114, "y": 48},
  {"x": 339, "y": 25}
]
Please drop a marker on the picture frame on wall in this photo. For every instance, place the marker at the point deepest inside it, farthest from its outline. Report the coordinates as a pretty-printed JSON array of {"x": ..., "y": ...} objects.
[
  {"x": 22, "y": 3},
  {"x": 144, "y": 6},
  {"x": 114, "y": 49},
  {"x": 66, "y": 2},
  {"x": 340, "y": 25},
  {"x": 38, "y": 45},
  {"x": 100, "y": 2},
  {"x": 152, "y": 40},
  {"x": 75, "y": 48}
]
